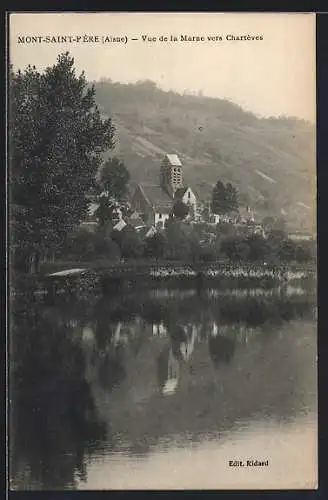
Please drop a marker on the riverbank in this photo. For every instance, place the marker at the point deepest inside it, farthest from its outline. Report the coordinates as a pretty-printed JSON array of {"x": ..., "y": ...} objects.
[
  {"x": 103, "y": 277},
  {"x": 140, "y": 265}
]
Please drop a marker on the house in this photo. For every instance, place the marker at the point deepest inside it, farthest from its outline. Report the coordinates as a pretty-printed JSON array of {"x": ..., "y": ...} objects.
[
  {"x": 299, "y": 236},
  {"x": 154, "y": 202},
  {"x": 92, "y": 208},
  {"x": 215, "y": 218},
  {"x": 242, "y": 215},
  {"x": 258, "y": 229},
  {"x": 246, "y": 215},
  {"x": 188, "y": 197},
  {"x": 91, "y": 220},
  {"x": 120, "y": 225},
  {"x": 231, "y": 217},
  {"x": 135, "y": 220}
]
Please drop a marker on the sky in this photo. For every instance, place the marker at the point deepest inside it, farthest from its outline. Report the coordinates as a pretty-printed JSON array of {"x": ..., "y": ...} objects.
[{"x": 270, "y": 77}]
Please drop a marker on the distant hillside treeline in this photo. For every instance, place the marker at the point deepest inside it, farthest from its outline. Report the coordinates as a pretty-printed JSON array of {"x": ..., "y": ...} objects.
[{"x": 271, "y": 161}]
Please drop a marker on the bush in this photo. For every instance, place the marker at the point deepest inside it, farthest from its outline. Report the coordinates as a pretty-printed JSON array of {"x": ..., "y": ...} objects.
[
  {"x": 305, "y": 251},
  {"x": 79, "y": 245},
  {"x": 180, "y": 210},
  {"x": 84, "y": 245},
  {"x": 105, "y": 246},
  {"x": 286, "y": 250},
  {"x": 178, "y": 244},
  {"x": 155, "y": 246},
  {"x": 85, "y": 285},
  {"x": 226, "y": 229},
  {"x": 208, "y": 254},
  {"x": 258, "y": 248},
  {"x": 130, "y": 243},
  {"x": 235, "y": 248}
]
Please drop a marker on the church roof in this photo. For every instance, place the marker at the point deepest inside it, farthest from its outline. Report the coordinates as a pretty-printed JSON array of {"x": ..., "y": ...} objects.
[
  {"x": 174, "y": 160},
  {"x": 156, "y": 196},
  {"x": 180, "y": 192}
]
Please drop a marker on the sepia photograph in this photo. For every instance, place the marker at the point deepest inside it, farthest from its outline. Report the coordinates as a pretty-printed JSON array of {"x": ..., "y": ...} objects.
[{"x": 162, "y": 251}]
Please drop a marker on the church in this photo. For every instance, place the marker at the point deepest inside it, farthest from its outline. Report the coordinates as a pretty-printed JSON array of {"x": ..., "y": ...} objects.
[{"x": 154, "y": 202}]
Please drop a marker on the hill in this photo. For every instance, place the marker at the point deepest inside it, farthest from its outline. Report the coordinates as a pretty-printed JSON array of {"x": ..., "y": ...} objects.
[{"x": 271, "y": 161}]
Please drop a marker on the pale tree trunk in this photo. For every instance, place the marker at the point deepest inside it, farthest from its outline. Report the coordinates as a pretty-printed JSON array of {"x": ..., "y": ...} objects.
[
  {"x": 33, "y": 262},
  {"x": 48, "y": 256}
]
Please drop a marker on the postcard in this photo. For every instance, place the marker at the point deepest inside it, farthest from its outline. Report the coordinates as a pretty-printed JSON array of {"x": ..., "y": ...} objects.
[{"x": 162, "y": 251}]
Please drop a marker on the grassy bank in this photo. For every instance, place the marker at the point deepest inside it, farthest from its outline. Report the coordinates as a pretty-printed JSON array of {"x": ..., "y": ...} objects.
[
  {"x": 140, "y": 264},
  {"x": 105, "y": 276}
]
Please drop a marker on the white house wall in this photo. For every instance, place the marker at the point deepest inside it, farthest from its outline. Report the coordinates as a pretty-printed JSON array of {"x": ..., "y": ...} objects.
[
  {"x": 189, "y": 198},
  {"x": 163, "y": 218}
]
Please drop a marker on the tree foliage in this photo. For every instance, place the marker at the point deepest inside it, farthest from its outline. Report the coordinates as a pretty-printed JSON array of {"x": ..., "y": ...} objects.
[
  {"x": 180, "y": 210},
  {"x": 178, "y": 242},
  {"x": 226, "y": 228},
  {"x": 57, "y": 138},
  {"x": 84, "y": 245},
  {"x": 132, "y": 246},
  {"x": 129, "y": 242},
  {"x": 274, "y": 224},
  {"x": 224, "y": 198},
  {"x": 104, "y": 212},
  {"x": 114, "y": 178},
  {"x": 276, "y": 248},
  {"x": 235, "y": 248},
  {"x": 258, "y": 248},
  {"x": 66, "y": 420},
  {"x": 155, "y": 246}
]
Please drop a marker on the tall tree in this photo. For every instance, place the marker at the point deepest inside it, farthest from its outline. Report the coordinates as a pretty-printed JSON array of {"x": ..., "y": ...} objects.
[
  {"x": 57, "y": 138},
  {"x": 231, "y": 197},
  {"x": 219, "y": 198},
  {"x": 114, "y": 177},
  {"x": 180, "y": 210},
  {"x": 224, "y": 198}
]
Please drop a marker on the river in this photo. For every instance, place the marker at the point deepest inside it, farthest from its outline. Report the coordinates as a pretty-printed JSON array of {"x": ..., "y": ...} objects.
[{"x": 165, "y": 389}]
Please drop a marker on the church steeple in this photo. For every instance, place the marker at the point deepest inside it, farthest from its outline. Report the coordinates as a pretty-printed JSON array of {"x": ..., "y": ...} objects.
[{"x": 171, "y": 174}]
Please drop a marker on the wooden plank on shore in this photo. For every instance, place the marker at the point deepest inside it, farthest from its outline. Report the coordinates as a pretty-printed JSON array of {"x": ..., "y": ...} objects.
[{"x": 68, "y": 272}]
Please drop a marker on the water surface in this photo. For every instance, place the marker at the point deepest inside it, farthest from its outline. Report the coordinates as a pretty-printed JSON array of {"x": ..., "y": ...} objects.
[{"x": 162, "y": 388}]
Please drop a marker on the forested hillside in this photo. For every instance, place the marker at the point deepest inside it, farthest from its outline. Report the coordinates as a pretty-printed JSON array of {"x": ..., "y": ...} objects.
[{"x": 271, "y": 161}]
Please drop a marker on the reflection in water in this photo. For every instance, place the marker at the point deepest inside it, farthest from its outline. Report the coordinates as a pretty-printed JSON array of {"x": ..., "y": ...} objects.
[
  {"x": 221, "y": 349},
  {"x": 168, "y": 371},
  {"x": 54, "y": 422},
  {"x": 146, "y": 375}
]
